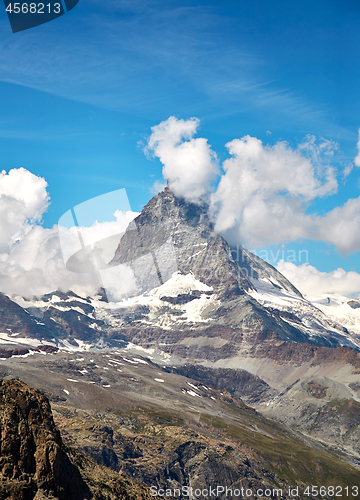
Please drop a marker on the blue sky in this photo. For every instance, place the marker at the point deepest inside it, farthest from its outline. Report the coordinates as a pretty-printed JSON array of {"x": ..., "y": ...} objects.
[{"x": 79, "y": 94}]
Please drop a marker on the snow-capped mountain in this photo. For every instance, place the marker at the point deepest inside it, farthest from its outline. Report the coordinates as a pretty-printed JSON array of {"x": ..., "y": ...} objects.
[
  {"x": 194, "y": 297},
  {"x": 204, "y": 309},
  {"x": 315, "y": 318}
]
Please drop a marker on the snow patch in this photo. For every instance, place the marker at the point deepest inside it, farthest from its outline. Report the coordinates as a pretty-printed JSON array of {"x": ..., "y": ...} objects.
[
  {"x": 140, "y": 361},
  {"x": 130, "y": 361},
  {"x": 192, "y": 393}
]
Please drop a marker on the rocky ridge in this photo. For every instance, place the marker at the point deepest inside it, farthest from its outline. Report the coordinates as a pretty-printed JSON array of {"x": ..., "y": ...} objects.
[{"x": 34, "y": 462}]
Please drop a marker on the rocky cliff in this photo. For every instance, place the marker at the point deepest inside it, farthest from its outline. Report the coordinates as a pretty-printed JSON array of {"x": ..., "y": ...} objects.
[{"x": 34, "y": 462}]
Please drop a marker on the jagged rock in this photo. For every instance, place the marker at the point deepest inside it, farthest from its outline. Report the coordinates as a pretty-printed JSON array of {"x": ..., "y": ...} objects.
[
  {"x": 241, "y": 383},
  {"x": 15, "y": 320},
  {"x": 34, "y": 462},
  {"x": 168, "y": 224}
]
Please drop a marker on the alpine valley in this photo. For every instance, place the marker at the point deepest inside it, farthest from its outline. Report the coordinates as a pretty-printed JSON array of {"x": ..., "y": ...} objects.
[{"x": 212, "y": 369}]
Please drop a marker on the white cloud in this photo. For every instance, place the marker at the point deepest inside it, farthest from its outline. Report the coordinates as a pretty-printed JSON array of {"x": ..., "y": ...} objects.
[
  {"x": 31, "y": 258},
  {"x": 314, "y": 283},
  {"x": 265, "y": 190},
  {"x": 35, "y": 266},
  {"x": 189, "y": 164},
  {"x": 264, "y": 193},
  {"x": 118, "y": 281},
  {"x": 341, "y": 227},
  {"x": 157, "y": 187},
  {"x": 23, "y": 200},
  {"x": 347, "y": 170},
  {"x": 357, "y": 157}
]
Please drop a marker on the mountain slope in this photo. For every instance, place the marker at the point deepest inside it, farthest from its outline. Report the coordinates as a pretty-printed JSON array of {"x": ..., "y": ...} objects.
[
  {"x": 165, "y": 430},
  {"x": 197, "y": 302}
]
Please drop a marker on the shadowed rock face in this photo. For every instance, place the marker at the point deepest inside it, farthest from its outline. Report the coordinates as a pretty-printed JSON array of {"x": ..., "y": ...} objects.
[
  {"x": 241, "y": 383},
  {"x": 50, "y": 323},
  {"x": 354, "y": 304},
  {"x": 197, "y": 247},
  {"x": 34, "y": 462},
  {"x": 33, "y": 456},
  {"x": 14, "y": 319}
]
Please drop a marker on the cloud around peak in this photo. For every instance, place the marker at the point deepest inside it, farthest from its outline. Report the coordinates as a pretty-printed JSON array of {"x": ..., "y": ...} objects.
[
  {"x": 31, "y": 256},
  {"x": 189, "y": 165},
  {"x": 313, "y": 282},
  {"x": 266, "y": 193}
]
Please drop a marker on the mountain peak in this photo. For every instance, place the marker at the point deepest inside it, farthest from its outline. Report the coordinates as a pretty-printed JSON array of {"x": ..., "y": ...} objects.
[
  {"x": 168, "y": 208},
  {"x": 172, "y": 234}
]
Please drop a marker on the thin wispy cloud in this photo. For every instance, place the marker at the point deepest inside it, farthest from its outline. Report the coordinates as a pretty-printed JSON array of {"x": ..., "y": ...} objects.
[{"x": 146, "y": 56}]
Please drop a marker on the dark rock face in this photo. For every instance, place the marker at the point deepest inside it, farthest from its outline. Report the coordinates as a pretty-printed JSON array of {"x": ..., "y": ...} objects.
[
  {"x": 104, "y": 453},
  {"x": 34, "y": 462},
  {"x": 180, "y": 237},
  {"x": 62, "y": 295},
  {"x": 8, "y": 353},
  {"x": 300, "y": 353},
  {"x": 240, "y": 383},
  {"x": 32, "y": 456},
  {"x": 182, "y": 298},
  {"x": 49, "y": 324},
  {"x": 354, "y": 304},
  {"x": 14, "y": 319},
  {"x": 68, "y": 319}
]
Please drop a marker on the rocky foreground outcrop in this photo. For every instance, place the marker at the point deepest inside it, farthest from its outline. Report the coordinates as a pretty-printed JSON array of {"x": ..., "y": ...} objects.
[{"x": 34, "y": 462}]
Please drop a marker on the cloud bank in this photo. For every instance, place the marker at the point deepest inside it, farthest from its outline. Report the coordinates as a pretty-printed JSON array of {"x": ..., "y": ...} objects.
[
  {"x": 265, "y": 192},
  {"x": 314, "y": 283},
  {"x": 23, "y": 200},
  {"x": 31, "y": 258}
]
